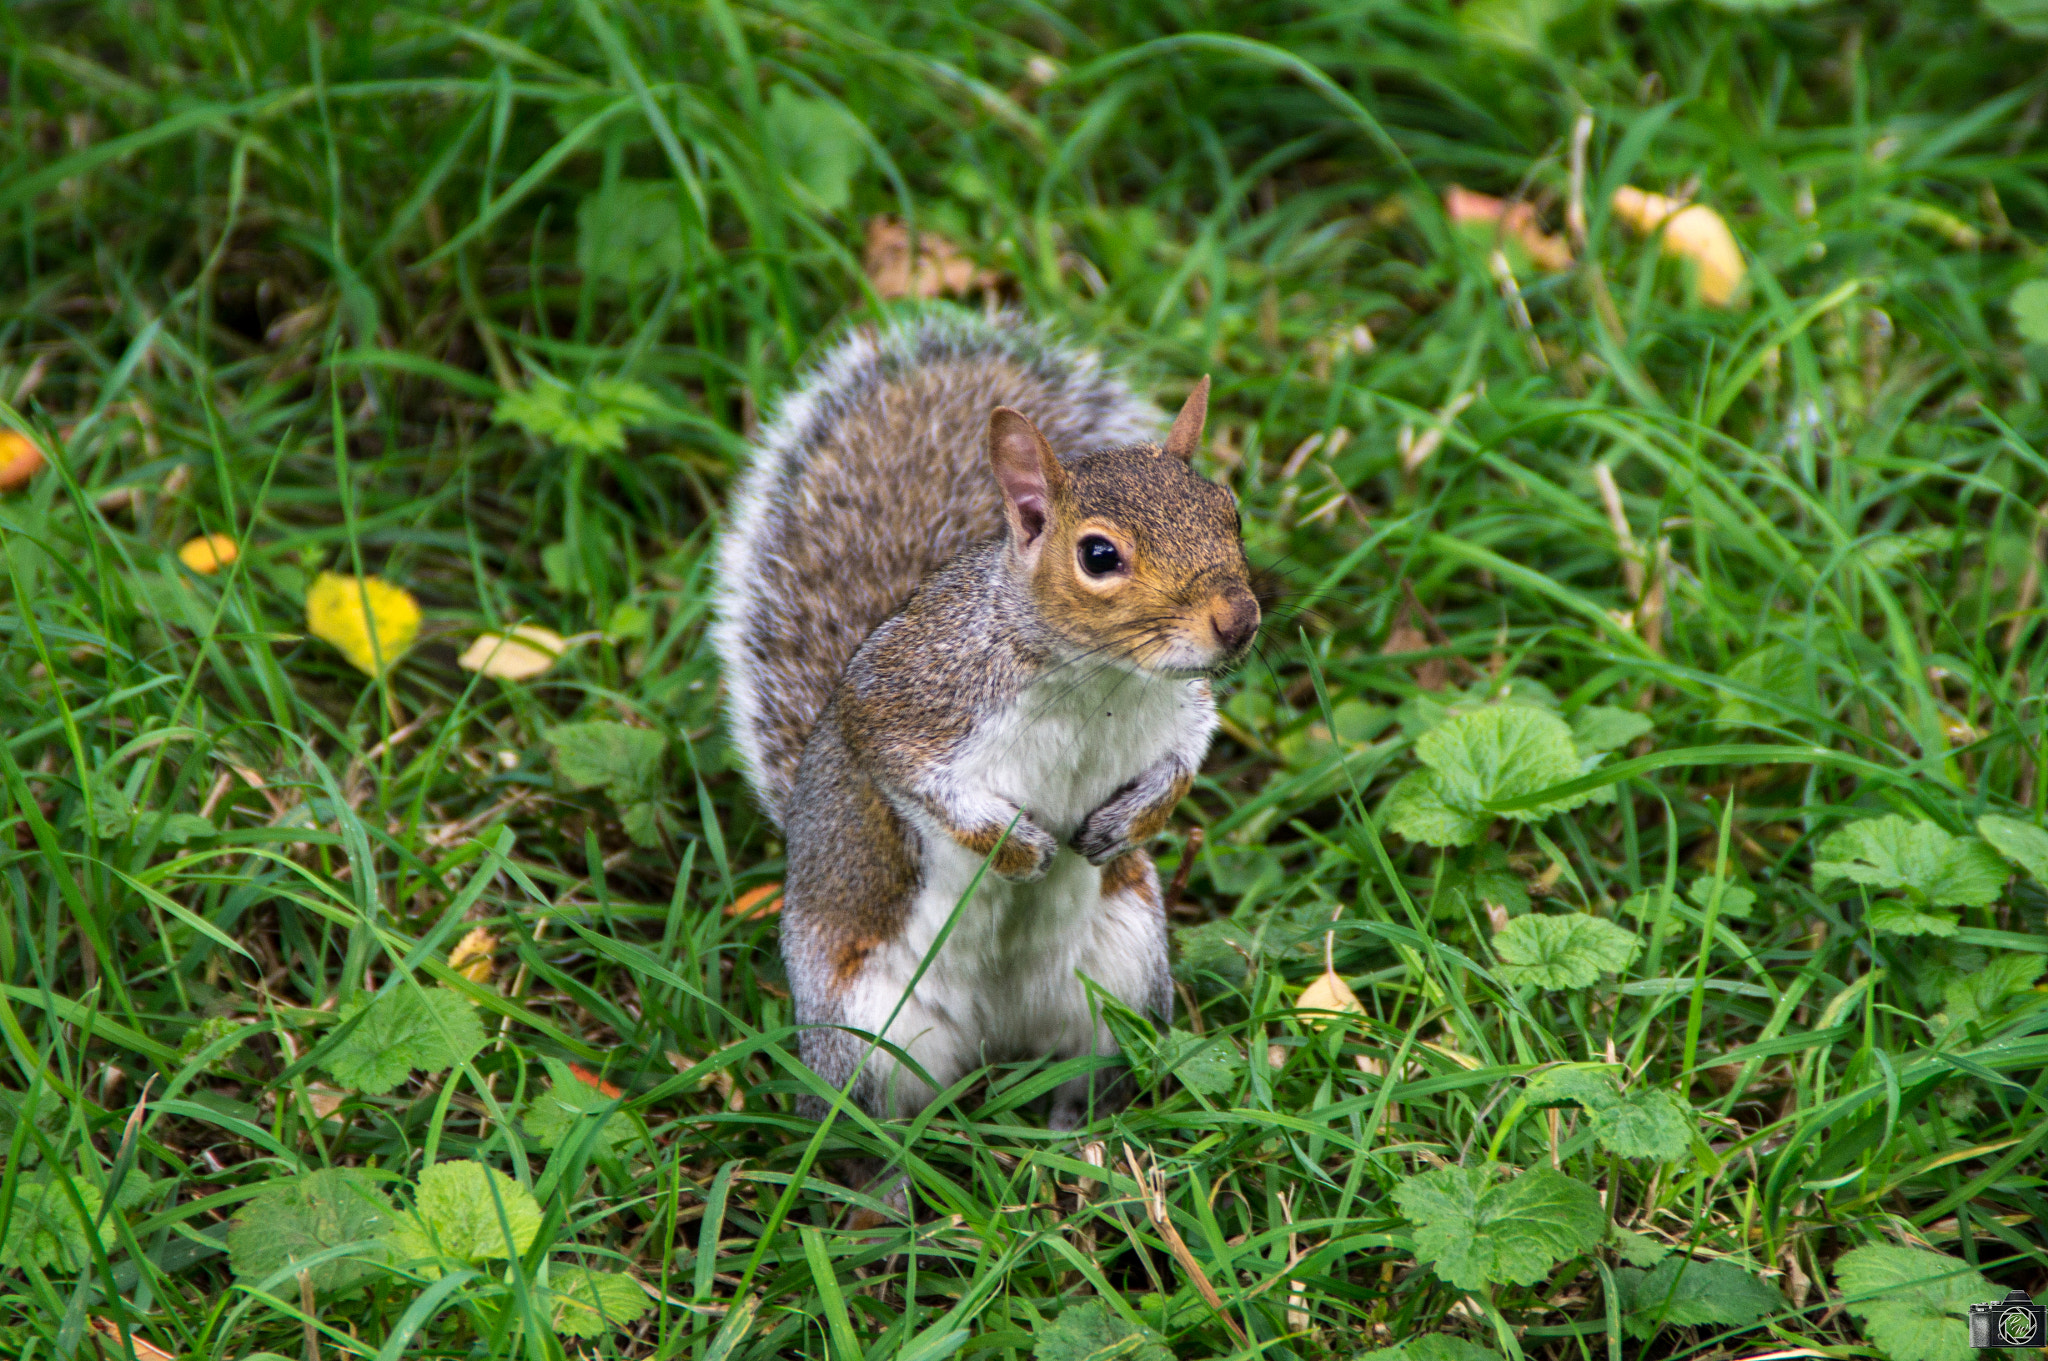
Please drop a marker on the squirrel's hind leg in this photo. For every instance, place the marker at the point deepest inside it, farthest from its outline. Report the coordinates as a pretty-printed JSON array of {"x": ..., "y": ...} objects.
[{"x": 1130, "y": 935}]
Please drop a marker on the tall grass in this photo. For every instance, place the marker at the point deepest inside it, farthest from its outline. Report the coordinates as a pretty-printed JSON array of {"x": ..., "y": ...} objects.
[{"x": 269, "y": 270}]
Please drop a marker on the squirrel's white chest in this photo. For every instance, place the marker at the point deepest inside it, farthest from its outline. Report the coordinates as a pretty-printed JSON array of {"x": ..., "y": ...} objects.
[{"x": 1070, "y": 741}]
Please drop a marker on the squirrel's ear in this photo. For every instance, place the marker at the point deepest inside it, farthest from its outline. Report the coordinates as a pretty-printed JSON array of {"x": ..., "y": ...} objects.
[
  {"x": 1028, "y": 473},
  {"x": 1186, "y": 435}
]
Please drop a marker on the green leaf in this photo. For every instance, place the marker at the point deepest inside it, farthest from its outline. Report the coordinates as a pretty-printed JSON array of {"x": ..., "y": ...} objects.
[
  {"x": 43, "y": 1227},
  {"x": 1901, "y": 918},
  {"x": 555, "y": 1117},
  {"x": 1086, "y": 1330},
  {"x": 1780, "y": 673},
  {"x": 1415, "y": 808},
  {"x": 1601, "y": 727},
  {"x": 1481, "y": 879},
  {"x": 649, "y": 822},
  {"x": 1931, "y": 867},
  {"x": 431, "y": 1029},
  {"x": 625, "y": 760},
  {"x": 1646, "y": 1123},
  {"x": 631, "y": 232},
  {"x": 300, "y": 1217},
  {"x": 1201, "y": 1063},
  {"x": 1569, "y": 951},
  {"x": 2029, "y": 302},
  {"x": 817, "y": 144},
  {"x": 111, "y": 813},
  {"x": 1980, "y": 997},
  {"x": 1430, "y": 1347},
  {"x": 2023, "y": 843},
  {"x": 1477, "y": 1233},
  {"x": 1735, "y": 900},
  {"x": 1683, "y": 1293},
  {"x": 1503, "y": 751},
  {"x": 456, "y": 1214},
  {"x": 591, "y": 418},
  {"x": 177, "y": 829},
  {"x": 1639, "y": 1249},
  {"x": 1212, "y": 951},
  {"x": 586, "y": 1302},
  {"x": 1912, "y": 1303}
]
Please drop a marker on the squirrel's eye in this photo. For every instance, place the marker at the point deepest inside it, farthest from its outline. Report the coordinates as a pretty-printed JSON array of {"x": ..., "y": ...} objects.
[{"x": 1099, "y": 556}]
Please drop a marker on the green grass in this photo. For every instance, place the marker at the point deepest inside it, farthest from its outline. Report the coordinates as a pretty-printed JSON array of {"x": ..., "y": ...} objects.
[{"x": 266, "y": 270}]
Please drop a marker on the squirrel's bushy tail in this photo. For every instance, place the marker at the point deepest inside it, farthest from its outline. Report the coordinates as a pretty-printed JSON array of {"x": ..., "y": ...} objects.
[{"x": 874, "y": 472}]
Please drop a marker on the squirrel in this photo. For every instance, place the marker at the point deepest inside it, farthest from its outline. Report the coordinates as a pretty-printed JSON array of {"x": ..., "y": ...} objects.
[{"x": 968, "y": 612}]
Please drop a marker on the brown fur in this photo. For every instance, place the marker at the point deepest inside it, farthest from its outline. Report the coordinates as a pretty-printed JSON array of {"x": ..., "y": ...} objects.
[{"x": 1129, "y": 871}]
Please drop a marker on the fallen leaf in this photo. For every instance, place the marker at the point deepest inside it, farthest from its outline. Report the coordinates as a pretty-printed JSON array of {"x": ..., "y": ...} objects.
[
  {"x": 940, "y": 268},
  {"x": 144, "y": 1351},
  {"x": 590, "y": 1079},
  {"x": 526, "y": 652},
  {"x": 20, "y": 459},
  {"x": 1328, "y": 993},
  {"x": 209, "y": 553},
  {"x": 1517, "y": 219},
  {"x": 323, "y": 1099},
  {"x": 1692, "y": 232},
  {"x": 764, "y": 901},
  {"x": 471, "y": 956},
  {"x": 373, "y": 641}
]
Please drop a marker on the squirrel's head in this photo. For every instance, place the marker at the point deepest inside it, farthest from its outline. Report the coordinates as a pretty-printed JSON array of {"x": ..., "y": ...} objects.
[{"x": 1130, "y": 554}]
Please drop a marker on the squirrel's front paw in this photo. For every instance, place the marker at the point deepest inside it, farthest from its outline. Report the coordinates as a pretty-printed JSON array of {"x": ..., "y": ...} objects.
[
  {"x": 1106, "y": 834},
  {"x": 1027, "y": 852}
]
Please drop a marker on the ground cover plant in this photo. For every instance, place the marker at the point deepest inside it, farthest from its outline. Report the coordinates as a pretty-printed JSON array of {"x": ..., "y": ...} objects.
[{"x": 1616, "y": 921}]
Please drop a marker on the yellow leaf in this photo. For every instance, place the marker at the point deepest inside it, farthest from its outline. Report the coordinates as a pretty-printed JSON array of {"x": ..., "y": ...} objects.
[
  {"x": 20, "y": 459},
  {"x": 1328, "y": 993},
  {"x": 209, "y": 553},
  {"x": 526, "y": 652},
  {"x": 372, "y": 642},
  {"x": 1692, "y": 232},
  {"x": 471, "y": 956}
]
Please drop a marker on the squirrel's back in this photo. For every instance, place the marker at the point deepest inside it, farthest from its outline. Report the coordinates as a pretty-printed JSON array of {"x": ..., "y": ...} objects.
[{"x": 873, "y": 473}]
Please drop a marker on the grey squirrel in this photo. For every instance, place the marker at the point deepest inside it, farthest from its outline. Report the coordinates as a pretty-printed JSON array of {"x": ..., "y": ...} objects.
[{"x": 968, "y": 613}]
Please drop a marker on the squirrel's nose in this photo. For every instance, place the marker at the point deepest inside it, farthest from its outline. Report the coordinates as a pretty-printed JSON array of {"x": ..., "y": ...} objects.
[{"x": 1235, "y": 617}]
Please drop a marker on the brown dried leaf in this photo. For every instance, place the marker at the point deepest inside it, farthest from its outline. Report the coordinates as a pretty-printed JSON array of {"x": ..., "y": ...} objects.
[
  {"x": 941, "y": 267},
  {"x": 1516, "y": 219},
  {"x": 1328, "y": 993},
  {"x": 525, "y": 653}
]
